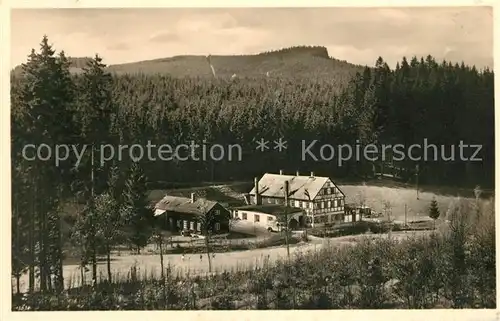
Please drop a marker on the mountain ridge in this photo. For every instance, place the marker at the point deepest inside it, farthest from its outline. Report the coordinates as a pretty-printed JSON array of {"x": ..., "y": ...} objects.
[{"x": 292, "y": 62}]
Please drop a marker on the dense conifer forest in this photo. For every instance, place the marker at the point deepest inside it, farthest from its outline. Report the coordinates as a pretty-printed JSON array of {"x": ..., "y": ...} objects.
[{"x": 443, "y": 102}]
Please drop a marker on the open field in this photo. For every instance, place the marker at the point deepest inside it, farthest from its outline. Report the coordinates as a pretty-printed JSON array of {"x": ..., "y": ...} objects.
[{"x": 148, "y": 264}]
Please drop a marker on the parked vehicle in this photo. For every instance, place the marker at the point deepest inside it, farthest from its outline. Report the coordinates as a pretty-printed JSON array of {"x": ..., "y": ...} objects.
[
  {"x": 276, "y": 227},
  {"x": 198, "y": 236},
  {"x": 187, "y": 233}
]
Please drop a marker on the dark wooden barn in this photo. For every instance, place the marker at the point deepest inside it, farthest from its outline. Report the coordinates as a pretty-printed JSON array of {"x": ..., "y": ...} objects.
[{"x": 181, "y": 213}]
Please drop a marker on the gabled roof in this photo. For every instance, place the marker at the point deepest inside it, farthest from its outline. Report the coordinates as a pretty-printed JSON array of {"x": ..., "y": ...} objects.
[
  {"x": 272, "y": 185},
  {"x": 179, "y": 204}
]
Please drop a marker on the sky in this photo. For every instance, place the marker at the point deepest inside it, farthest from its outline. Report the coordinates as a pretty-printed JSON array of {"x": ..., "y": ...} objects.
[{"x": 358, "y": 35}]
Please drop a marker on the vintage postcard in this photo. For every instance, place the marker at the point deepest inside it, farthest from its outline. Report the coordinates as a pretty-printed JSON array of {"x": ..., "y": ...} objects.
[{"x": 251, "y": 158}]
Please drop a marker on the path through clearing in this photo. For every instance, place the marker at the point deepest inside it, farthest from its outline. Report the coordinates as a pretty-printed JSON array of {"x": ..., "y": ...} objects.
[{"x": 150, "y": 264}]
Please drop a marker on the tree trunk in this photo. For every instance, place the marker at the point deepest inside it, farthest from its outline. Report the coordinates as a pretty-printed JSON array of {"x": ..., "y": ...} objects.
[
  {"x": 108, "y": 259},
  {"x": 60, "y": 275},
  {"x": 162, "y": 273},
  {"x": 161, "y": 260},
  {"x": 18, "y": 283},
  {"x": 94, "y": 264},
  {"x": 49, "y": 282},
  {"x": 31, "y": 251},
  {"x": 42, "y": 256},
  {"x": 207, "y": 243},
  {"x": 82, "y": 274},
  {"x": 31, "y": 237}
]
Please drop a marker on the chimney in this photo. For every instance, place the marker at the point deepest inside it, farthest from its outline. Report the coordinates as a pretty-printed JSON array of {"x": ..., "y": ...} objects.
[
  {"x": 192, "y": 198},
  {"x": 257, "y": 192},
  {"x": 281, "y": 172},
  {"x": 312, "y": 174},
  {"x": 297, "y": 173}
]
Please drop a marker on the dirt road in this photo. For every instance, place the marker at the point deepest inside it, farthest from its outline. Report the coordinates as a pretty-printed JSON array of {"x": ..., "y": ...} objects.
[{"x": 192, "y": 264}]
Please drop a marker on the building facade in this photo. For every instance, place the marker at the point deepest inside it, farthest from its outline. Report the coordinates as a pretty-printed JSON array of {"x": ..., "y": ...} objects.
[
  {"x": 269, "y": 216},
  {"x": 181, "y": 213},
  {"x": 320, "y": 198}
]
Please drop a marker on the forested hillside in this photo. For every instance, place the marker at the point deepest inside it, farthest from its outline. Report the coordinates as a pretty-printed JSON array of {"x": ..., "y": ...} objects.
[
  {"x": 422, "y": 98},
  {"x": 295, "y": 62}
]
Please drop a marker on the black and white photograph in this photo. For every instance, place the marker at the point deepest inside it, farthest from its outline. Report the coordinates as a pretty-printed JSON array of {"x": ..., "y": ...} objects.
[{"x": 245, "y": 158}]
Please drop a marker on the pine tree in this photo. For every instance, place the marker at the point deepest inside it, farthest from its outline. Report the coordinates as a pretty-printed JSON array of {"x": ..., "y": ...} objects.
[
  {"x": 138, "y": 213},
  {"x": 109, "y": 221},
  {"x": 94, "y": 116},
  {"x": 45, "y": 101},
  {"x": 434, "y": 211}
]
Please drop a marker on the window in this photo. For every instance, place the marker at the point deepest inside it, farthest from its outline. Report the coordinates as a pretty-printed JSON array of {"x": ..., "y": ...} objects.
[
  {"x": 257, "y": 218},
  {"x": 311, "y": 205},
  {"x": 328, "y": 190},
  {"x": 198, "y": 225},
  {"x": 235, "y": 214},
  {"x": 322, "y": 204},
  {"x": 244, "y": 215},
  {"x": 335, "y": 203},
  {"x": 217, "y": 212},
  {"x": 300, "y": 204},
  {"x": 270, "y": 218},
  {"x": 329, "y": 204},
  {"x": 321, "y": 219},
  {"x": 217, "y": 226}
]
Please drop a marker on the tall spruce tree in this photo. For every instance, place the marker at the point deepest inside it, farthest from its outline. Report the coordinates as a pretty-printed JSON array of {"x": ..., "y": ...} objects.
[
  {"x": 138, "y": 214},
  {"x": 95, "y": 111},
  {"x": 44, "y": 110}
]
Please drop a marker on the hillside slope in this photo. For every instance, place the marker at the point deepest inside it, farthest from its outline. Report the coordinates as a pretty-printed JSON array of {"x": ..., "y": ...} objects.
[{"x": 295, "y": 62}]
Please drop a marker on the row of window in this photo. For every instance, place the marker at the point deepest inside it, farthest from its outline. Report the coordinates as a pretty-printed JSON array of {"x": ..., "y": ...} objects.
[
  {"x": 256, "y": 217},
  {"x": 328, "y": 191},
  {"x": 328, "y": 218},
  {"x": 191, "y": 225},
  {"x": 303, "y": 204},
  {"x": 336, "y": 218}
]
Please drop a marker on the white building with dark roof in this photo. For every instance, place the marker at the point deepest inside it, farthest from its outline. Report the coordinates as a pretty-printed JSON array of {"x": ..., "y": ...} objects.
[
  {"x": 322, "y": 200},
  {"x": 269, "y": 216}
]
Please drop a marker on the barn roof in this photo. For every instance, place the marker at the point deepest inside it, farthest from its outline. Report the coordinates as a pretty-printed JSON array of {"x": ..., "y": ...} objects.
[
  {"x": 179, "y": 204},
  {"x": 272, "y": 185}
]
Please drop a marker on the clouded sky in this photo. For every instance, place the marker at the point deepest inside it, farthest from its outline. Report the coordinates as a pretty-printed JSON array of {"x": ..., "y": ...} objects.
[{"x": 358, "y": 35}]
